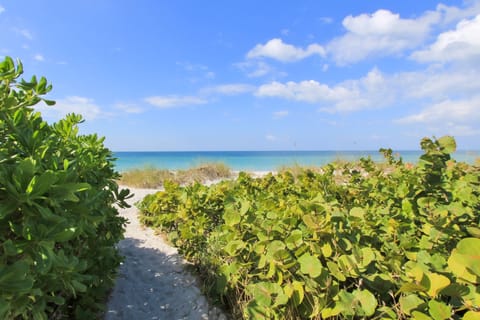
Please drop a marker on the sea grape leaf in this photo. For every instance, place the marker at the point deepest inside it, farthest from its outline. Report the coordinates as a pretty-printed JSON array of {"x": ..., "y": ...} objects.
[
  {"x": 472, "y": 315},
  {"x": 409, "y": 303},
  {"x": 437, "y": 283},
  {"x": 447, "y": 144},
  {"x": 357, "y": 212},
  {"x": 294, "y": 239},
  {"x": 262, "y": 292},
  {"x": 464, "y": 261},
  {"x": 367, "y": 301},
  {"x": 411, "y": 287},
  {"x": 231, "y": 216},
  {"x": 326, "y": 249},
  {"x": 367, "y": 256},
  {"x": 439, "y": 310},
  {"x": 474, "y": 232},
  {"x": 417, "y": 315},
  {"x": 310, "y": 265},
  {"x": 298, "y": 293},
  {"x": 335, "y": 271}
]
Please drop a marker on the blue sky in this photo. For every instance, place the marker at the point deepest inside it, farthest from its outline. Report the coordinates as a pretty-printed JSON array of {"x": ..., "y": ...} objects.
[{"x": 255, "y": 75}]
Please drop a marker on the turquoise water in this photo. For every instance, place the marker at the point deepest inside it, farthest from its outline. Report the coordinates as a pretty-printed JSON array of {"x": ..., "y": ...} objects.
[{"x": 257, "y": 160}]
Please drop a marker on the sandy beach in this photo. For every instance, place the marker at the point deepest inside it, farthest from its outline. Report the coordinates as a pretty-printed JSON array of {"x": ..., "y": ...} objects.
[{"x": 153, "y": 282}]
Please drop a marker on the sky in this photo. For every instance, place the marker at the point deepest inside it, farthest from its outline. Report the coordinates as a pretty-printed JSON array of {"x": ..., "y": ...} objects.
[{"x": 255, "y": 75}]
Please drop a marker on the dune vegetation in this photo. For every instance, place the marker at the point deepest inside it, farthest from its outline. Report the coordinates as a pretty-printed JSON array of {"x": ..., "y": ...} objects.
[
  {"x": 153, "y": 178},
  {"x": 355, "y": 241}
]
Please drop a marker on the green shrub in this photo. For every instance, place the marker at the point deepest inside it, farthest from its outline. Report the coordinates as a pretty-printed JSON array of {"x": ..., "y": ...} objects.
[
  {"x": 58, "y": 225},
  {"x": 388, "y": 241}
]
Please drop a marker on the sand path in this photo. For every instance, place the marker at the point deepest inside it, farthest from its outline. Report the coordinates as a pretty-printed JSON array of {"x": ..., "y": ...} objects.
[{"x": 153, "y": 282}]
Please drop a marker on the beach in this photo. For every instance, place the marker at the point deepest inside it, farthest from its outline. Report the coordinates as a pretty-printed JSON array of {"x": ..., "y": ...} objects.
[{"x": 153, "y": 281}]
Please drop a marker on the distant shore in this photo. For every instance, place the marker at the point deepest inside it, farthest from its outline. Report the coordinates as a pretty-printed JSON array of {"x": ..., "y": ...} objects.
[{"x": 252, "y": 161}]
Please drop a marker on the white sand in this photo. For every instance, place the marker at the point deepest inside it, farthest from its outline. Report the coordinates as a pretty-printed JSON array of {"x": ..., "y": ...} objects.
[{"x": 153, "y": 282}]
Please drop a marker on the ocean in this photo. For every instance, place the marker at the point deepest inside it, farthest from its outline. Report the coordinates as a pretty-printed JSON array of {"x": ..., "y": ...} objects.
[{"x": 258, "y": 160}]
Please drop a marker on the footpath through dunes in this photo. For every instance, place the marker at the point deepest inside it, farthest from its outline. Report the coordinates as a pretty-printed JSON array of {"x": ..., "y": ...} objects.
[{"x": 153, "y": 282}]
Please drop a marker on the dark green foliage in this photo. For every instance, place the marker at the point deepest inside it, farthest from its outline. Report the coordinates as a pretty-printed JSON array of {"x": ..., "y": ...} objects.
[
  {"x": 58, "y": 225},
  {"x": 381, "y": 241}
]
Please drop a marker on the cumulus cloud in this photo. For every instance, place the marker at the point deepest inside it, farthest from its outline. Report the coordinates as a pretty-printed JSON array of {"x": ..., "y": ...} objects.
[
  {"x": 460, "y": 44},
  {"x": 448, "y": 111},
  {"x": 278, "y": 50},
  {"x": 174, "y": 101},
  {"x": 453, "y": 14},
  {"x": 2, "y": 9},
  {"x": 258, "y": 68},
  {"x": 379, "y": 34},
  {"x": 72, "y": 104},
  {"x": 456, "y": 117},
  {"x": 229, "y": 89},
  {"x": 364, "y": 93}
]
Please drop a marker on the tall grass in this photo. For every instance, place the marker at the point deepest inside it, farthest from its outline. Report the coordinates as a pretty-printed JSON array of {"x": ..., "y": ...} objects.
[{"x": 154, "y": 178}]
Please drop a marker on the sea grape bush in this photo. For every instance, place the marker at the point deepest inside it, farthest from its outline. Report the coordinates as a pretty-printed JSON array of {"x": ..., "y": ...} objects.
[
  {"x": 386, "y": 241},
  {"x": 58, "y": 225}
]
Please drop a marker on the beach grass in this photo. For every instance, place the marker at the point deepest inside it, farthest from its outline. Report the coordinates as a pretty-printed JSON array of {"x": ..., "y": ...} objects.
[{"x": 152, "y": 178}]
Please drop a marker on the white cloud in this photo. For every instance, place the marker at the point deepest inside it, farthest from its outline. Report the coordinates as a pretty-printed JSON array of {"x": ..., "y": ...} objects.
[
  {"x": 72, "y": 104},
  {"x": 256, "y": 69},
  {"x": 452, "y": 14},
  {"x": 229, "y": 89},
  {"x": 39, "y": 57},
  {"x": 280, "y": 114},
  {"x": 379, "y": 34},
  {"x": 2, "y": 9},
  {"x": 437, "y": 84},
  {"x": 278, "y": 50},
  {"x": 455, "y": 117},
  {"x": 448, "y": 111},
  {"x": 24, "y": 33},
  {"x": 460, "y": 44},
  {"x": 173, "y": 101},
  {"x": 365, "y": 93},
  {"x": 129, "y": 107}
]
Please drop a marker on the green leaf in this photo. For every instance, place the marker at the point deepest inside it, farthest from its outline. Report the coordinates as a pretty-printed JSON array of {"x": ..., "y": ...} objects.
[
  {"x": 326, "y": 249},
  {"x": 15, "y": 278},
  {"x": 437, "y": 283},
  {"x": 447, "y": 144},
  {"x": 5, "y": 306},
  {"x": 464, "y": 261},
  {"x": 474, "y": 232},
  {"x": 417, "y": 315},
  {"x": 263, "y": 292},
  {"x": 409, "y": 303},
  {"x": 295, "y": 239},
  {"x": 367, "y": 301},
  {"x": 439, "y": 310},
  {"x": 357, "y": 212},
  {"x": 335, "y": 271},
  {"x": 231, "y": 216},
  {"x": 310, "y": 265},
  {"x": 472, "y": 315},
  {"x": 298, "y": 293},
  {"x": 411, "y": 287}
]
